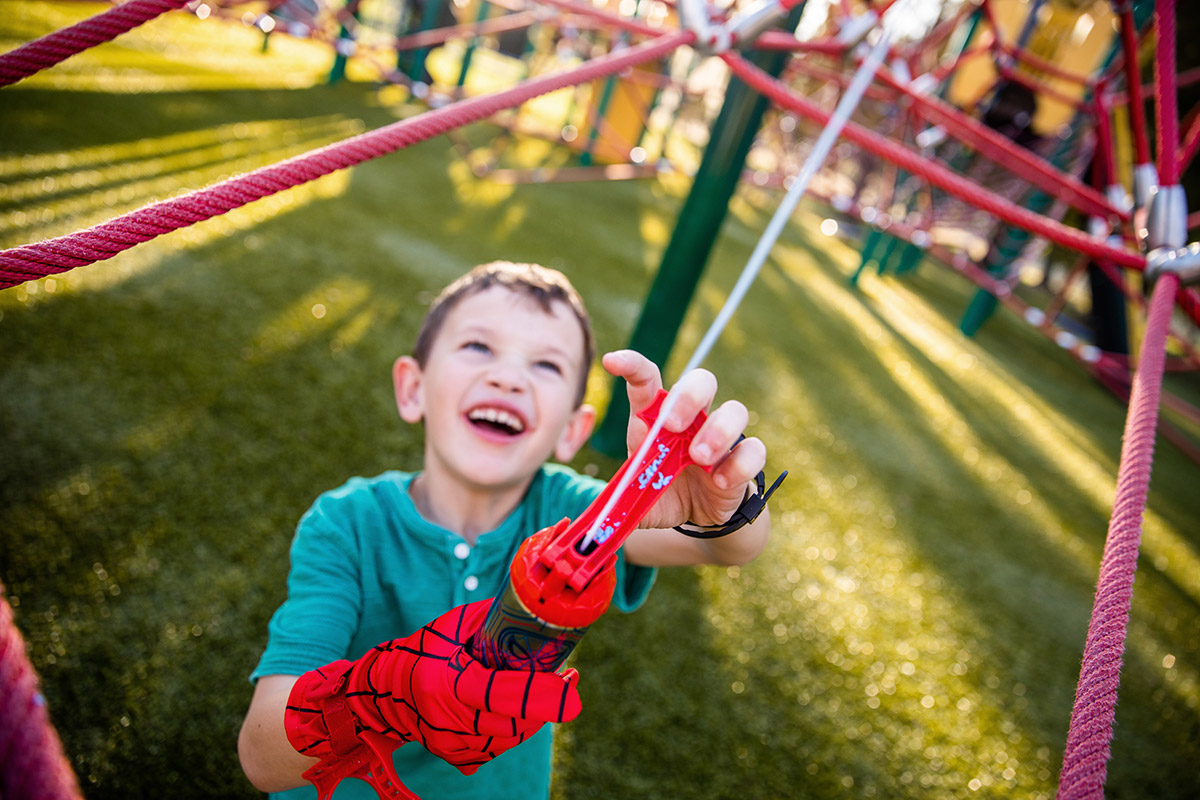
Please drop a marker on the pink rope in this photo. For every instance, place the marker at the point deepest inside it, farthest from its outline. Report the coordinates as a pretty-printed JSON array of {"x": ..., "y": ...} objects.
[
  {"x": 1133, "y": 79},
  {"x": 55, "y": 47},
  {"x": 1085, "y": 762},
  {"x": 936, "y": 174},
  {"x": 32, "y": 763},
  {"x": 1104, "y": 140},
  {"x": 619, "y": 21},
  {"x": 1191, "y": 143},
  {"x": 28, "y": 262},
  {"x": 1167, "y": 107},
  {"x": 1003, "y": 151}
]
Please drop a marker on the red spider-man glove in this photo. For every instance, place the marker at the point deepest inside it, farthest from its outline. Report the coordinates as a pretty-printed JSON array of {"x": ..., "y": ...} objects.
[{"x": 426, "y": 688}]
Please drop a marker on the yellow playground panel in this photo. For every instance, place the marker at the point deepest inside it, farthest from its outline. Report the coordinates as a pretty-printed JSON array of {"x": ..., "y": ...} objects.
[
  {"x": 1074, "y": 38},
  {"x": 606, "y": 118}
]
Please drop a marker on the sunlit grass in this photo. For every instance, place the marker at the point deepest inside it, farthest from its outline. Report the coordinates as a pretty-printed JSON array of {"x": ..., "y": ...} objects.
[
  {"x": 913, "y": 631},
  {"x": 173, "y": 52}
]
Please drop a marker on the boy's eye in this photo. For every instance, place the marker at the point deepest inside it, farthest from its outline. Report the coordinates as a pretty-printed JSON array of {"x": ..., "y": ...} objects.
[
  {"x": 478, "y": 347},
  {"x": 549, "y": 365}
]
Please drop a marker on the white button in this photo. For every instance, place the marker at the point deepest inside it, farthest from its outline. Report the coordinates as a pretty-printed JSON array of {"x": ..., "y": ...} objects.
[
  {"x": 471, "y": 583},
  {"x": 462, "y": 550}
]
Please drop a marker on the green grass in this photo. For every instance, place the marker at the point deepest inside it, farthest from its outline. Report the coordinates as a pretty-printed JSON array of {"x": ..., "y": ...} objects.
[{"x": 913, "y": 631}]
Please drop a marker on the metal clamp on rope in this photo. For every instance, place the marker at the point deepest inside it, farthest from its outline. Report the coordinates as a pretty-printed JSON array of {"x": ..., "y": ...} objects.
[
  {"x": 1166, "y": 219},
  {"x": 1145, "y": 182},
  {"x": 1181, "y": 261},
  {"x": 745, "y": 26}
]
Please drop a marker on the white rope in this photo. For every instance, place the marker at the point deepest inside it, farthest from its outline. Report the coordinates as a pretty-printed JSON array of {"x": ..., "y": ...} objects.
[{"x": 845, "y": 108}]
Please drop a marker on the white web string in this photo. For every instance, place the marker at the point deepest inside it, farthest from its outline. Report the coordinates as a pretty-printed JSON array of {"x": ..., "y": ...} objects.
[{"x": 845, "y": 107}]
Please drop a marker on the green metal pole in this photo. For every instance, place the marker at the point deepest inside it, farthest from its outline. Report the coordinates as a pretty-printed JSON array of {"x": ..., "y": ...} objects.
[
  {"x": 338, "y": 71},
  {"x": 429, "y": 16},
  {"x": 886, "y": 259},
  {"x": 868, "y": 252},
  {"x": 585, "y": 158},
  {"x": 909, "y": 259},
  {"x": 695, "y": 234},
  {"x": 610, "y": 85},
  {"x": 470, "y": 51}
]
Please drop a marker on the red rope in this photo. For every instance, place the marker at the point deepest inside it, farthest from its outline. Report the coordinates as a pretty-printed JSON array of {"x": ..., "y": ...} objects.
[
  {"x": 1133, "y": 79},
  {"x": 1191, "y": 142},
  {"x": 938, "y": 175},
  {"x": 60, "y": 45},
  {"x": 782, "y": 40},
  {"x": 487, "y": 27},
  {"x": 1167, "y": 107},
  {"x": 1017, "y": 159},
  {"x": 32, "y": 763},
  {"x": 616, "y": 20},
  {"x": 1106, "y": 158},
  {"x": 103, "y": 241},
  {"x": 1085, "y": 762}
]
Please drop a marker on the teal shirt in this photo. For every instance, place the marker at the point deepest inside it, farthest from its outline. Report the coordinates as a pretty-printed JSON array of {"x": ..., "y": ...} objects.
[{"x": 367, "y": 568}]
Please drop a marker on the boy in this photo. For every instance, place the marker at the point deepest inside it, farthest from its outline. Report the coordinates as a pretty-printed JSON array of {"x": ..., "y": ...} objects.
[{"x": 497, "y": 378}]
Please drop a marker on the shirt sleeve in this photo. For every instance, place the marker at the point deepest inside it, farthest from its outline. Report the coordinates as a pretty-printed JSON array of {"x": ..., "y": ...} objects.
[{"x": 315, "y": 624}]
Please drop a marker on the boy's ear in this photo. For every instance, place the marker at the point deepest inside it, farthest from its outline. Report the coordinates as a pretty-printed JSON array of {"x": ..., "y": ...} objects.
[
  {"x": 579, "y": 428},
  {"x": 410, "y": 389}
]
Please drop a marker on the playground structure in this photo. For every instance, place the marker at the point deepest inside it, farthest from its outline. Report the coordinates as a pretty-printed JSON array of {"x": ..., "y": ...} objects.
[{"x": 909, "y": 195}]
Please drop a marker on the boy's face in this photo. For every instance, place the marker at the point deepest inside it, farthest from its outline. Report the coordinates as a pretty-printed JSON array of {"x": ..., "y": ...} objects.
[{"x": 497, "y": 392}]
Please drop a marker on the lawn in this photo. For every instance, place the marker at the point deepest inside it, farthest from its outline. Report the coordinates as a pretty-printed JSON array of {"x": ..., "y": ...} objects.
[{"x": 913, "y": 631}]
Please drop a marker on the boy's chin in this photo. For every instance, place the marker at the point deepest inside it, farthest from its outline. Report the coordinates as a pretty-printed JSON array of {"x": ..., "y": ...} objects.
[{"x": 498, "y": 474}]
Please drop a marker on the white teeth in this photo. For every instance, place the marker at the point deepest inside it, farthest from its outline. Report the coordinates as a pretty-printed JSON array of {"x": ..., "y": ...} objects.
[{"x": 498, "y": 416}]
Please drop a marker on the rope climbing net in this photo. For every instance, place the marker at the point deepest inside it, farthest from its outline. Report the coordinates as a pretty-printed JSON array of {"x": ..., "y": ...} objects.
[{"x": 927, "y": 147}]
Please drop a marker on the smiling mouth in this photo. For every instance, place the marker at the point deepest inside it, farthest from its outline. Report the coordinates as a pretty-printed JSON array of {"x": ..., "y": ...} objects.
[{"x": 498, "y": 420}]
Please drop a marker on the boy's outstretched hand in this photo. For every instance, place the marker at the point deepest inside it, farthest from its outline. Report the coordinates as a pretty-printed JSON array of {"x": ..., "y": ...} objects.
[{"x": 694, "y": 496}]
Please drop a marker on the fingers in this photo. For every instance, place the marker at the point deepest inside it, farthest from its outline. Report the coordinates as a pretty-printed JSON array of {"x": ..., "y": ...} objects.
[
  {"x": 742, "y": 465},
  {"x": 719, "y": 433},
  {"x": 641, "y": 375},
  {"x": 693, "y": 393},
  {"x": 527, "y": 696}
]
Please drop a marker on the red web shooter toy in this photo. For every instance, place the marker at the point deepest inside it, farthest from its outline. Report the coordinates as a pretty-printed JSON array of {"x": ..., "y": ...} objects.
[{"x": 562, "y": 578}]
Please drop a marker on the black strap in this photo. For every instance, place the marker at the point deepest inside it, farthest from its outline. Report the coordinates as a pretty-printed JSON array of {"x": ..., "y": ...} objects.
[{"x": 752, "y": 505}]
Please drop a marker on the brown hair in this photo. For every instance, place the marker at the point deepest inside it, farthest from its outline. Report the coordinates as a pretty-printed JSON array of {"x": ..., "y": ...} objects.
[{"x": 546, "y": 286}]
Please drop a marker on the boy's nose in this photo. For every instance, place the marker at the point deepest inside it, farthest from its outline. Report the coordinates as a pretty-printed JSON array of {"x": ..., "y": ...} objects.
[{"x": 506, "y": 378}]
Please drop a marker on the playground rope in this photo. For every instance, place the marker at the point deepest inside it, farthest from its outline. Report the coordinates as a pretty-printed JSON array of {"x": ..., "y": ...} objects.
[
  {"x": 28, "y": 262},
  {"x": 34, "y": 766},
  {"x": 1086, "y": 758},
  {"x": 1133, "y": 80},
  {"x": 52, "y": 48},
  {"x": 936, "y": 174},
  {"x": 1167, "y": 105}
]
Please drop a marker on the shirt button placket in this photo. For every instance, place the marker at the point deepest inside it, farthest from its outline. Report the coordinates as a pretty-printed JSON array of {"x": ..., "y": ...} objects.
[{"x": 462, "y": 551}]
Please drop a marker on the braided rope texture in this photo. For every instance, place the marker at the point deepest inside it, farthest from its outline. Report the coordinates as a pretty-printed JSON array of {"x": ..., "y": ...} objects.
[
  {"x": 1087, "y": 753},
  {"x": 28, "y": 262},
  {"x": 32, "y": 763},
  {"x": 52, "y": 48},
  {"x": 1167, "y": 104}
]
